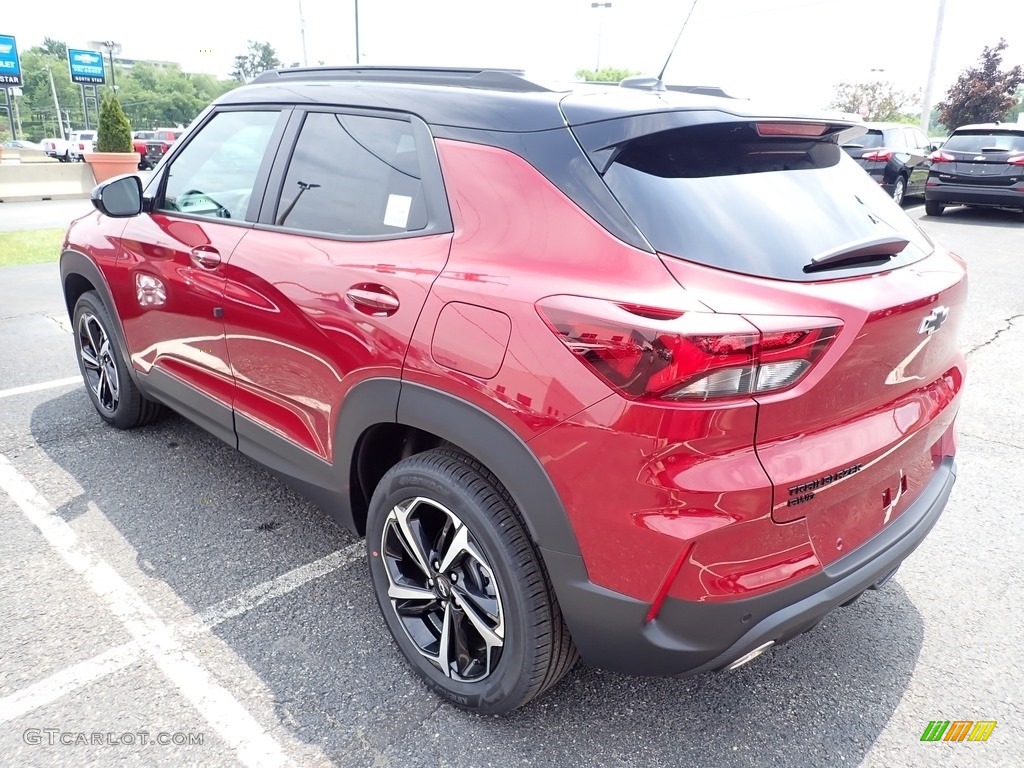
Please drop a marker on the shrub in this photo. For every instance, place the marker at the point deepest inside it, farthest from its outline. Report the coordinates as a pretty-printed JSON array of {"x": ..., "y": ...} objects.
[{"x": 115, "y": 132}]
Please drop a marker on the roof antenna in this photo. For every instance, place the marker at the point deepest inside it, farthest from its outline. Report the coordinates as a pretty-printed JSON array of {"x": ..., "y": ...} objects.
[
  {"x": 646, "y": 82},
  {"x": 661, "y": 74}
]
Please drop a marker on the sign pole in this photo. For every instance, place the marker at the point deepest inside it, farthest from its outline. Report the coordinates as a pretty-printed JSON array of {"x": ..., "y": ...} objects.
[{"x": 85, "y": 109}]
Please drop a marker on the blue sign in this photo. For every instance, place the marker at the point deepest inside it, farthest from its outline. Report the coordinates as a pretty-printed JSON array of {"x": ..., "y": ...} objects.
[
  {"x": 10, "y": 65},
  {"x": 86, "y": 67}
]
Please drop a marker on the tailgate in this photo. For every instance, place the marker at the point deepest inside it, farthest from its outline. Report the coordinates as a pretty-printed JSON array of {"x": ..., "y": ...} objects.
[{"x": 852, "y": 450}]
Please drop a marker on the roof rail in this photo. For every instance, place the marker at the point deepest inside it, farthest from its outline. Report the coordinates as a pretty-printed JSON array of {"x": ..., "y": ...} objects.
[{"x": 494, "y": 79}]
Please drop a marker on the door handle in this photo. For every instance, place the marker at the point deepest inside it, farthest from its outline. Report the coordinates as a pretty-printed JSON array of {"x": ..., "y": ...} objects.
[
  {"x": 205, "y": 257},
  {"x": 372, "y": 299}
]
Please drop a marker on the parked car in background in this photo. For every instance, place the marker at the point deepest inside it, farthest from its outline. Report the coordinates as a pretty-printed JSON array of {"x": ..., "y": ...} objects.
[
  {"x": 895, "y": 155},
  {"x": 81, "y": 143},
  {"x": 159, "y": 143},
  {"x": 979, "y": 165},
  {"x": 628, "y": 373},
  {"x": 57, "y": 148},
  {"x": 139, "y": 139},
  {"x": 21, "y": 144}
]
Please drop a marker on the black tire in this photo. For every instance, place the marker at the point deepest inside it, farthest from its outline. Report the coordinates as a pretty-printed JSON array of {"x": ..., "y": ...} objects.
[
  {"x": 442, "y": 493},
  {"x": 100, "y": 358},
  {"x": 933, "y": 208},
  {"x": 899, "y": 190}
]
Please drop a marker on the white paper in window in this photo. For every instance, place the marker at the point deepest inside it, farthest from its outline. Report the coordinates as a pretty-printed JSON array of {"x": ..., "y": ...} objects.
[{"x": 397, "y": 213}]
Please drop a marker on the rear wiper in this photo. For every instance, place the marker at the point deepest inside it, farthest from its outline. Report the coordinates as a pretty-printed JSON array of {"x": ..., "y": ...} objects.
[
  {"x": 858, "y": 254},
  {"x": 994, "y": 149},
  {"x": 853, "y": 146}
]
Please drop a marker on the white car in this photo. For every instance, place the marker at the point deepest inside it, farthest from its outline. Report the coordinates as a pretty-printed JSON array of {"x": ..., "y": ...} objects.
[
  {"x": 58, "y": 148},
  {"x": 80, "y": 143}
]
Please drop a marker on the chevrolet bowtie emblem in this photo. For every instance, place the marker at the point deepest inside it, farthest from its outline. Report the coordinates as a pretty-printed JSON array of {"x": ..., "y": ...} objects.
[{"x": 934, "y": 321}]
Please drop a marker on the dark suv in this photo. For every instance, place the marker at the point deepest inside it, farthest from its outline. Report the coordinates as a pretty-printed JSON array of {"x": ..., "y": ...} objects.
[
  {"x": 979, "y": 165},
  {"x": 629, "y": 373},
  {"x": 894, "y": 155}
]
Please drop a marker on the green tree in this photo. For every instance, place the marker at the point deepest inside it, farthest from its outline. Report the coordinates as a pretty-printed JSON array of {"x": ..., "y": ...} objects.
[
  {"x": 1018, "y": 109},
  {"x": 258, "y": 58},
  {"x": 115, "y": 132},
  {"x": 55, "y": 48},
  {"x": 982, "y": 94},
  {"x": 876, "y": 101},
  {"x": 604, "y": 75}
]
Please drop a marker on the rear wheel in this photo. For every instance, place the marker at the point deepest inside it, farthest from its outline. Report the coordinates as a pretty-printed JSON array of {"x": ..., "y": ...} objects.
[
  {"x": 899, "y": 191},
  {"x": 110, "y": 386},
  {"x": 461, "y": 586},
  {"x": 933, "y": 208}
]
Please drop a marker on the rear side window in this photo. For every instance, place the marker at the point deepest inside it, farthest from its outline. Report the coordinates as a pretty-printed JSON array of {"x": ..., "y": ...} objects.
[
  {"x": 980, "y": 141},
  {"x": 723, "y": 196},
  {"x": 353, "y": 176}
]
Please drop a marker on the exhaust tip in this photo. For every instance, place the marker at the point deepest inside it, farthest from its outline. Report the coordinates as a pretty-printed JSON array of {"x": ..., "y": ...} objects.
[{"x": 749, "y": 657}]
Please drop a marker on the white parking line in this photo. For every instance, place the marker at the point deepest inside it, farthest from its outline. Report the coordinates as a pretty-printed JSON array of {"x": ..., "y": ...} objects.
[
  {"x": 281, "y": 585},
  {"x": 67, "y": 680},
  {"x": 252, "y": 744},
  {"x": 44, "y": 385},
  {"x": 114, "y": 660}
]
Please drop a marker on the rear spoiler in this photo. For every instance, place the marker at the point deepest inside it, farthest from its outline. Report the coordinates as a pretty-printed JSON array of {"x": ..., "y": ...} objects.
[{"x": 602, "y": 140}]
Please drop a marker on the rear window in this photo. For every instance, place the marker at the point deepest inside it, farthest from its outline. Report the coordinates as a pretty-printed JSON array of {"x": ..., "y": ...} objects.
[
  {"x": 722, "y": 196},
  {"x": 870, "y": 140},
  {"x": 978, "y": 141}
]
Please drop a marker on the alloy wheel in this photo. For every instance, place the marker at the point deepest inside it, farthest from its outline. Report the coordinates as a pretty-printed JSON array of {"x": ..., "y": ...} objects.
[
  {"x": 97, "y": 358},
  {"x": 443, "y": 590}
]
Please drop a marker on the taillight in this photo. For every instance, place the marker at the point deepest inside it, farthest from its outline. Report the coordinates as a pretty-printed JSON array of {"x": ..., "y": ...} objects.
[
  {"x": 941, "y": 157},
  {"x": 879, "y": 155},
  {"x": 1019, "y": 160},
  {"x": 647, "y": 353}
]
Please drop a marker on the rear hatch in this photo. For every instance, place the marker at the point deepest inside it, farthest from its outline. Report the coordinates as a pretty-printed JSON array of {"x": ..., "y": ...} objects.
[
  {"x": 984, "y": 157},
  {"x": 869, "y": 150},
  {"x": 855, "y": 305}
]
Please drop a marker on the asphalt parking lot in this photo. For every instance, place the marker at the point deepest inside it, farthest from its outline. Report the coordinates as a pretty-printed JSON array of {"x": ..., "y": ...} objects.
[{"x": 156, "y": 582}]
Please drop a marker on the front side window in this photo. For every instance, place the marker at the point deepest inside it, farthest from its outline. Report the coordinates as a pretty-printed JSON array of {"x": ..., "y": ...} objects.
[
  {"x": 353, "y": 176},
  {"x": 214, "y": 175}
]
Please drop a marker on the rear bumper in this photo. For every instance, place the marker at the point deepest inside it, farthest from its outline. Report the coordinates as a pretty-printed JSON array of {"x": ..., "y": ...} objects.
[
  {"x": 964, "y": 194},
  {"x": 688, "y": 638}
]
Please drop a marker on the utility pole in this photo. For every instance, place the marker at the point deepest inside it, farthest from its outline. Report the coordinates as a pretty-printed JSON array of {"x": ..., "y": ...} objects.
[
  {"x": 357, "y": 30},
  {"x": 926, "y": 101},
  {"x": 56, "y": 104},
  {"x": 600, "y": 29},
  {"x": 302, "y": 31}
]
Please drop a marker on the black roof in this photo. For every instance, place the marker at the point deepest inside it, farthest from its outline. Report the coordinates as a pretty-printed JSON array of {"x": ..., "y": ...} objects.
[{"x": 487, "y": 99}]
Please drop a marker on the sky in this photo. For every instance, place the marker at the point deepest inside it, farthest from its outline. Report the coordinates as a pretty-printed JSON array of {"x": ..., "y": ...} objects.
[{"x": 788, "y": 52}]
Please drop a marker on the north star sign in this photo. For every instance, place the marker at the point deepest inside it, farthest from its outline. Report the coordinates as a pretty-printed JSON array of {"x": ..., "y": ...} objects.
[
  {"x": 86, "y": 67},
  {"x": 10, "y": 65}
]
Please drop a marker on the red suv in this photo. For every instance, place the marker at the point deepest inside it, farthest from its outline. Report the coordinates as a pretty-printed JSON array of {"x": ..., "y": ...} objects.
[{"x": 627, "y": 373}]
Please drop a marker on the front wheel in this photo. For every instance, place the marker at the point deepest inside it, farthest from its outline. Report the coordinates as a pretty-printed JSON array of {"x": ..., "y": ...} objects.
[
  {"x": 107, "y": 380},
  {"x": 933, "y": 208},
  {"x": 461, "y": 586}
]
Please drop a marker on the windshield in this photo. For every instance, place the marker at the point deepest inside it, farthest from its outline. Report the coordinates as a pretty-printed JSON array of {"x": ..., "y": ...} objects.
[
  {"x": 978, "y": 141},
  {"x": 761, "y": 206}
]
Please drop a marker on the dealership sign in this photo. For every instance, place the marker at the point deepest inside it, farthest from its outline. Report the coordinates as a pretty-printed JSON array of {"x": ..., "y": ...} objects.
[
  {"x": 86, "y": 67},
  {"x": 10, "y": 65}
]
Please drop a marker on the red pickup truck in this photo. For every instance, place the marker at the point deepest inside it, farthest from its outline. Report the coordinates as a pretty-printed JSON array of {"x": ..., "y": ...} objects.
[
  {"x": 158, "y": 144},
  {"x": 139, "y": 139}
]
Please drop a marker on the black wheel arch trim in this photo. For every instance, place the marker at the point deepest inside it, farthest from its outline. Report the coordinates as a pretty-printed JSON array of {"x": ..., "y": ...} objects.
[
  {"x": 501, "y": 451},
  {"x": 74, "y": 262},
  {"x": 466, "y": 426}
]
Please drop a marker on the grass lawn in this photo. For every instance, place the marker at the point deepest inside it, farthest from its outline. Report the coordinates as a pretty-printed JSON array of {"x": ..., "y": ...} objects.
[{"x": 30, "y": 246}]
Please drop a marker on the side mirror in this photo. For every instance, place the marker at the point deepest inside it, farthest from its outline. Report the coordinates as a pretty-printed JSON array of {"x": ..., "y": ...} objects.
[
  {"x": 935, "y": 146},
  {"x": 120, "y": 197}
]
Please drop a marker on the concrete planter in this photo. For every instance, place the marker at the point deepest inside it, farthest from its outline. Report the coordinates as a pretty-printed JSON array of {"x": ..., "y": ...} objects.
[{"x": 107, "y": 165}]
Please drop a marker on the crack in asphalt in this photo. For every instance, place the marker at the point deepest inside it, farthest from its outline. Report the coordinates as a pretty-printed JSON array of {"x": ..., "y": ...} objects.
[
  {"x": 992, "y": 440},
  {"x": 1009, "y": 325}
]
